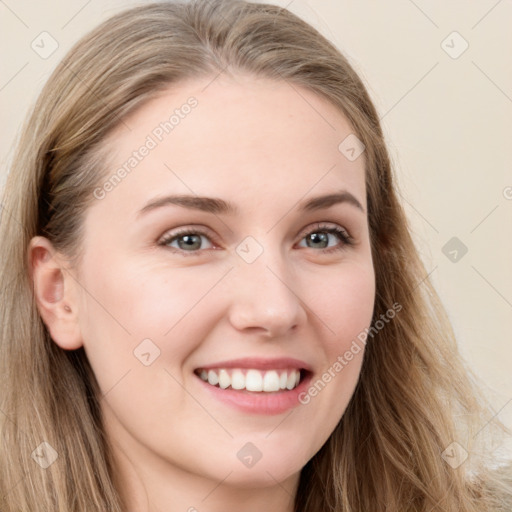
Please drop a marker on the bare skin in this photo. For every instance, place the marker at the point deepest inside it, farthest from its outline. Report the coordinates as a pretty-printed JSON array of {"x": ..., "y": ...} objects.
[{"x": 267, "y": 149}]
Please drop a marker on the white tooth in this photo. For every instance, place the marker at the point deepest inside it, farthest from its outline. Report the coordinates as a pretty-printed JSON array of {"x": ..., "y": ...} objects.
[
  {"x": 253, "y": 381},
  {"x": 290, "y": 383},
  {"x": 213, "y": 378},
  {"x": 271, "y": 381},
  {"x": 224, "y": 379},
  {"x": 237, "y": 380}
]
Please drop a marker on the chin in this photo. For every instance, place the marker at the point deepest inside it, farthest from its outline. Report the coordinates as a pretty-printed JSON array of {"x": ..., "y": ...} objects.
[{"x": 264, "y": 473}]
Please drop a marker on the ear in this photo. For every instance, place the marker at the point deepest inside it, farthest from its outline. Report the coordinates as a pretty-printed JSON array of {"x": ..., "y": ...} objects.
[{"x": 55, "y": 293}]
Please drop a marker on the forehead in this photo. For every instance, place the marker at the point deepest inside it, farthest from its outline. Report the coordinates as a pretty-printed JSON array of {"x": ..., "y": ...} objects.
[{"x": 252, "y": 139}]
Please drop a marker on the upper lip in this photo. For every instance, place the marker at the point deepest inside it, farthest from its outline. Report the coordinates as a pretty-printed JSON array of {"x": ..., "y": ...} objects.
[{"x": 259, "y": 363}]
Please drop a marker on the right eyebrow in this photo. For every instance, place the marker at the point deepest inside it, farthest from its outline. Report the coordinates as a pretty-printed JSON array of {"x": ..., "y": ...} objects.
[{"x": 206, "y": 204}]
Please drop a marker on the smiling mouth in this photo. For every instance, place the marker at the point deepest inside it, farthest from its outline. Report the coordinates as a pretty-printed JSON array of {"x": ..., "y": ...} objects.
[{"x": 249, "y": 379}]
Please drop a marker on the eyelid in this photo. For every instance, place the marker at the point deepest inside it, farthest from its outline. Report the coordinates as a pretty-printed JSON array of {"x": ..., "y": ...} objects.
[
  {"x": 171, "y": 235},
  {"x": 321, "y": 226},
  {"x": 346, "y": 240}
]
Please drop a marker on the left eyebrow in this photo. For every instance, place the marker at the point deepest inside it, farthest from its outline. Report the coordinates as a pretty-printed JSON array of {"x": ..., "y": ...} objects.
[
  {"x": 219, "y": 206},
  {"x": 320, "y": 202}
]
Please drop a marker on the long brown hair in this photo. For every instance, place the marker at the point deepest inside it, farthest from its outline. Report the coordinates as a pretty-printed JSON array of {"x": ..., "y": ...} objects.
[{"x": 386, "y": 453}]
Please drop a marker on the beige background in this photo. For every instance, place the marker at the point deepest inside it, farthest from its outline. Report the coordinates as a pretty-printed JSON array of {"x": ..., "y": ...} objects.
[{"x": 448, "y": 123}]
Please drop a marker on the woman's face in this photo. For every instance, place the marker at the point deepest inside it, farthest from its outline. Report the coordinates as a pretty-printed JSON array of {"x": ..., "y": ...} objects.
[{"x": 249, "y": 286}]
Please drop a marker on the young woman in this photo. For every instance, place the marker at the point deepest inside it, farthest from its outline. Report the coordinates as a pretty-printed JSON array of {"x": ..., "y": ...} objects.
[{"x": 211, "y": 299}]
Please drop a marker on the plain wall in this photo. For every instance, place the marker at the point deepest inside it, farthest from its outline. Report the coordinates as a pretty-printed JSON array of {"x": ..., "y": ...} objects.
[{"x": 447, "y": 118}]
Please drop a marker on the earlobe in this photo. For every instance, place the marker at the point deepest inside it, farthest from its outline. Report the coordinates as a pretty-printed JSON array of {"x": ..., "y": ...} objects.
[{"x": 54, "y": 291}]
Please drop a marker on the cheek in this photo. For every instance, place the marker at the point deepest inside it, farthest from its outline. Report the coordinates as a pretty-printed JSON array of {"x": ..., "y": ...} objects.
[
  {"x": 165, "y": 303},
  {"x": 344, "y": 303},
  {"x": 128, "y": 303},
  {"x": 345, "y": 308}
]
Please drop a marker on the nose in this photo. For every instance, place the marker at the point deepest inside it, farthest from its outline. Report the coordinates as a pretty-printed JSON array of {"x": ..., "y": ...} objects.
[{"x": 265, "y": 298}]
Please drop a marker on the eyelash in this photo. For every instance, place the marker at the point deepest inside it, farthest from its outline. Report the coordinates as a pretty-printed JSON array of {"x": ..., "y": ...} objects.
[{"x": 343, "y": 235}]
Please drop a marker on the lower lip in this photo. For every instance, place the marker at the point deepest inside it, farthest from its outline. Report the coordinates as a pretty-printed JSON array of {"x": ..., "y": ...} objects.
[{"x": 262, "y": 403}]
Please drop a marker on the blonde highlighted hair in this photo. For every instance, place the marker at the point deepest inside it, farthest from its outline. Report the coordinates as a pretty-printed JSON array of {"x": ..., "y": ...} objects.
[{"x": 414, "y": 396}]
